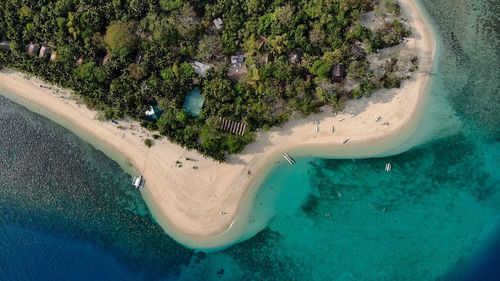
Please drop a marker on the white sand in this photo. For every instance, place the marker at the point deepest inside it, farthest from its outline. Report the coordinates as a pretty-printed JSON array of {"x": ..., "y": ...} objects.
[{"x": 198, "y": 207}]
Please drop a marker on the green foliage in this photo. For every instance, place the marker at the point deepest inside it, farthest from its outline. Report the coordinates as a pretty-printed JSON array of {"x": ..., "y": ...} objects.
[
  {"x": 368, "y": 88},
  {"x": 152, "y": 45},
  {"x": 336, "y": 102},
  {"x": 358, "y": 69},
  {"x": 390, "y": 81},
  {"x": 320, "y": 69},
  {"x": 390, "y": 6},
  {"x": 358, "y": 33},
  {"x": 390, "y": 35},
  {"x": 148, "y": 142},
  {"x": 120, "y": 37}
]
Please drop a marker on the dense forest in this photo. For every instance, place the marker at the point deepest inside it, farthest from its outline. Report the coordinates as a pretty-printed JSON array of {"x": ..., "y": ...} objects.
[{"x": 123, "y": 56}]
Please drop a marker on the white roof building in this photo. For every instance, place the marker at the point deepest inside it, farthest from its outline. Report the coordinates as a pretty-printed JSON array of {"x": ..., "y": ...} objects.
[
  {"x": 237, "y": 60},
  {"x": 218, "y": 23},
  {"x": 200, "y": 68}
]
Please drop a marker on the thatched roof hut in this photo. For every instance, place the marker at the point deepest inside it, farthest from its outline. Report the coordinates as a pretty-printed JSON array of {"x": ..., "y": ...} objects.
[
  {"x": 267, "y": 57},
  {"x": 106, "y": 58},
  {"x": 200, "y": 68},
  {"x": 238, "y": 69},
  {"x": 53, "y": 56},
  {"x": 79, "y": 61},
  {"x": 44, "y": 51},
  {"x": 32, "y": 49},
  {"x": 338, "y": 72},
  {"x": 295, "y": 56},
  {"x": 138, "y": 58}
]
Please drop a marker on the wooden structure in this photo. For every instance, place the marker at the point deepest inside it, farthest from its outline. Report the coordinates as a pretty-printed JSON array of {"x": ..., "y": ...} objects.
[
  {"x": 200, "y": 68},
  {"x": 79, "y": 61},
  {"x": 338, "y": 72},
  {"x": 218, "y": 23},
  {"x": 238, "y": 69},
  {"x": 5, "y": 45},
  {"x": 32, "y": 49},
  {"x": 53, "y": 56},
  {"x": 106, "y": 58},
  {"x": 233, "y": 127},
  {"x": 44, "y": 51},
  {"x": 237, "y": 60},
  {"x": 267, "y": 57},
  {"x": 138, "y": 58},
  {"x": 295, "y": 56}
]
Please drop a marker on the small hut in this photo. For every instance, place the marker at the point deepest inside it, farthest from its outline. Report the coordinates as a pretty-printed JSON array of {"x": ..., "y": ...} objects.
[
  {"x": 138, "y": 58},
  {"x": 237, "y": 60},
  {"x": 79, "y": 61},
  {"x": 44, "y": 52},
  {"x": 238, "y": 69},
  {"x": 218, "y": 23},
  {"x": 338, "y": 72},
  {"x": 267, "y": 57},
  {"x": 200, "y": 68},
  {"x": 32, "y": 49},
  {"x": 5, "y": 45},
  {"x": 295, "y": 56},
  {"x": 106, "y": 58},
  {"x": 53, "y": 56}
]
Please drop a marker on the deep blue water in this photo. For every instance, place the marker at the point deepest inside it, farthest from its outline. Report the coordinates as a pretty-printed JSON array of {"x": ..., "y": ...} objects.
[{"x": 67, "y": 211}]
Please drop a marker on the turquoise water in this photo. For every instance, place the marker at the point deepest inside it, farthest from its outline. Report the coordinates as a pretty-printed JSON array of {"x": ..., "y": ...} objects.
[
  {"x": 67, "y": 212},
  {"x": 193, "y": 102}
]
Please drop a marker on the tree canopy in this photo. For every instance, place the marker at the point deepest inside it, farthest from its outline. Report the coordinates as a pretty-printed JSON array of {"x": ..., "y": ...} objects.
[
  {"x": 120, "y": 37},
  {"x": 122, "y": 56}
]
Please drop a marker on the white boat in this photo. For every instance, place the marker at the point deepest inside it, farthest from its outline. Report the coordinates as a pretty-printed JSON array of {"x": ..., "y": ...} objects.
[
  {"x": 289, "y": 158},
  {"x": 388, "y": 167},
  {"x": 138, "y": 182}
]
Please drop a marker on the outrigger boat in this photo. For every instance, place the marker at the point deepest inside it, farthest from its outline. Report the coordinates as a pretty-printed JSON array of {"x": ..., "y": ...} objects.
[
  {"x": 289, "y": 158},
  {"x": 388, "y": 167},
  {"x": 138, "y": 182}
]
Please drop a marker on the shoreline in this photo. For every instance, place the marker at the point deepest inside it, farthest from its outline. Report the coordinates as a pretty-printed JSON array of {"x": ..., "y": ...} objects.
[{"x": 208, "y": 207}]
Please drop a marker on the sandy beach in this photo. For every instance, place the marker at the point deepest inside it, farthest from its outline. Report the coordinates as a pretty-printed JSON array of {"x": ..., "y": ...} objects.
[{"x": 203, "y": 203}]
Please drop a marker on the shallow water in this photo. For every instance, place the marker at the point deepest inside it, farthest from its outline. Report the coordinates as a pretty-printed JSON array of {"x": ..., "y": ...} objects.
[{"x": 67, "y": 211}]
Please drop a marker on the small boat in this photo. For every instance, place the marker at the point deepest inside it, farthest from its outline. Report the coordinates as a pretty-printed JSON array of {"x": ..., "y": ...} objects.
[
  {"x": 289, "y": 158},
  {"x": 138, "y": 182},
  {"x": 346, "y": 141},
  {"x": 317, "y": 128},
  {"x": 333, "y": 128},
  {"x": 388, "y": 167}
]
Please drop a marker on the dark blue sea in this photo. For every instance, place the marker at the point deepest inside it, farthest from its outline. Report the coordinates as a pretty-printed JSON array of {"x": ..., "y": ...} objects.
[{"x": 67, "y": 212}]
